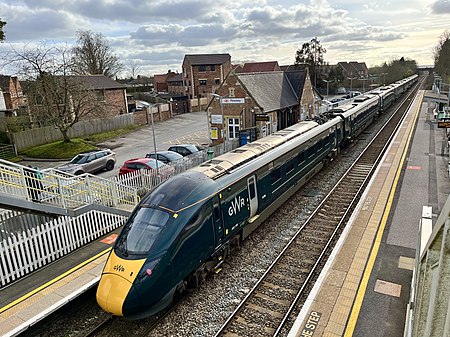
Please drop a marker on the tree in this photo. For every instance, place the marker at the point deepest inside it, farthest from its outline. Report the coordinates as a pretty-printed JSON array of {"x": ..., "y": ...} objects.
[
  {"x": 55, "y": 96},
  {"x": 93, "y": 56},
  {"x": 2, "y": 34},
  {"x": 311, "y": 54},
  {"x": 134, "y": 67},
  {"x": 441, "y": 54}
]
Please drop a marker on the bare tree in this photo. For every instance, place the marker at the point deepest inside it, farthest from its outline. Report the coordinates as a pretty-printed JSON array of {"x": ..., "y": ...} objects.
[
  {"x": 311, "y": 54},
  {"x": 441, "y": 54},
  {"x": 55, "y": 96},
  {"x": 93, "y": 56},
  {"x": 2, "y": 34},
  {"x": 134, "y": 68}
]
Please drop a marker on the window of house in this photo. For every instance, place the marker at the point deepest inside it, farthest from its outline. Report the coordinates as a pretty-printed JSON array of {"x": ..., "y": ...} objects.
[
  {"x": 202, "y": 82},
  {"x": 202, "y": 67},
  {"x": 230, "y": 92},
  {"x": 233, "y": 128},
  {"x": 213, "y": 67},
  {"x": 217, "y": 81}
]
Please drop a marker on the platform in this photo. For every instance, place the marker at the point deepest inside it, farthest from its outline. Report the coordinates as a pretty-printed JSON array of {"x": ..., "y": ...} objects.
[
  {"x": 365, "y": 287},
  {"x": 39, "y": 294}
]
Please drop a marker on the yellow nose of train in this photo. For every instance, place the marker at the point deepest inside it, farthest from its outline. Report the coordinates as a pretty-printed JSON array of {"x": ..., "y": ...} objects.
[{"x": 116, "y": 282}]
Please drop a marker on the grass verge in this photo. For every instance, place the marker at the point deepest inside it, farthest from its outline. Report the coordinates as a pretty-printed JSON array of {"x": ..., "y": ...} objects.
[{"x": 62, "y": 150}]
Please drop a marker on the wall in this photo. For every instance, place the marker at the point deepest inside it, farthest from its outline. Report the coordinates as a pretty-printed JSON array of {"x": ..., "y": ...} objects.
[{"x": 115, "y": 101}]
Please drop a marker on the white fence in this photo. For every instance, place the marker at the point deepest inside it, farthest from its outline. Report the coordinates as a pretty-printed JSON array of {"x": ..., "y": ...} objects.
[{"x": 24, "y": 252}]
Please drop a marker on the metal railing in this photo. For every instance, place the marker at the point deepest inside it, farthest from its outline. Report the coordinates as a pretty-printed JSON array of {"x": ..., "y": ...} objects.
[{"x": 57, "y": 188}]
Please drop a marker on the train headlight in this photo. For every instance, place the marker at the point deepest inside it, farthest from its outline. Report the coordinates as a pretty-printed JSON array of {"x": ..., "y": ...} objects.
[{"x": 148, "y": 268}]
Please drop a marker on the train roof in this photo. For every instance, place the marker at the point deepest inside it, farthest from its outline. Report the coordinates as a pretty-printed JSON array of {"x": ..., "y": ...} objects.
[{"x": 222, "y": 164}]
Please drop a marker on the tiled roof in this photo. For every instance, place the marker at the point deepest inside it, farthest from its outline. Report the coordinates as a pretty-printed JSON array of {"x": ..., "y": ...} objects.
[
  {"x": 272, "y": 90},
  {"x": 99, "y": 82},
  {"x": 255, "y": 67},
  {"x": 175, "y": 78},
  {"x": 206, "y": 59}
]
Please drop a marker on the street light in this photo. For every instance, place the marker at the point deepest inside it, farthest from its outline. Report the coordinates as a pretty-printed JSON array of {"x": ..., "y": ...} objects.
[
  {"x": 351, "y": 84},
  {"x": 327, "y": 82},
  {"x": 363, "y": 80},
  {"x": 154, "y": 138},
  {"x": 223, "y": 119}
]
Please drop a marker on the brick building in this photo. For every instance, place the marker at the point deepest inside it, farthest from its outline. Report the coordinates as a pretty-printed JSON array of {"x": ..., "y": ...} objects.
[
  {"x": 204, "y": 73},
  {"x": 266, "y": 101},
  {"x": 12, "y": 93},
  {"x": 111, "y": 92}
]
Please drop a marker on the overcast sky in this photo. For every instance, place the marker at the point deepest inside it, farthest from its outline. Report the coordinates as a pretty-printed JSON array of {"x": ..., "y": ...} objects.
[{"x": 158, "y": 33}]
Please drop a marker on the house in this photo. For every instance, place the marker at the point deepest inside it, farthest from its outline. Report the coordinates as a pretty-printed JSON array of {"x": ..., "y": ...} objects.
[
  {"x": 160, "y": 84},
  {"x": 12, "y": 93},
  {"x": 258, "y": 67},
  {"x": 267, "y": 101},
  {"x": 111, "y": 92},
  {"x": 354, "y": 69},
  {"x": 204, "y": 73}
]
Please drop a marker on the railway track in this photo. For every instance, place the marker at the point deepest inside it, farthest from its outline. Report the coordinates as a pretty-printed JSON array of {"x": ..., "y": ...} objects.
[{"x": 286, "y": 283}]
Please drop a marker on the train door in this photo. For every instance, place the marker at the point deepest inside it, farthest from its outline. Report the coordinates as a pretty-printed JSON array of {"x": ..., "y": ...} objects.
[
  {"x": 217, "y": 220},
  {"x": 252, "y": 196}
]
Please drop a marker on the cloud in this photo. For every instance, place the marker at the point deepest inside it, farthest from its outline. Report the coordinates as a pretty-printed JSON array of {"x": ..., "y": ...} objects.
[{"x": 441, "y": 7}]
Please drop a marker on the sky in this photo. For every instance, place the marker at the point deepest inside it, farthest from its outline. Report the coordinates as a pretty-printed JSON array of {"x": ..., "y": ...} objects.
[{"x": 155, "y": 35}]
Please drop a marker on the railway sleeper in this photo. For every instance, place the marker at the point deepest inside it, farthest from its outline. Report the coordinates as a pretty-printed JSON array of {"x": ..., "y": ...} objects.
[{"x": 259, "y": 308}]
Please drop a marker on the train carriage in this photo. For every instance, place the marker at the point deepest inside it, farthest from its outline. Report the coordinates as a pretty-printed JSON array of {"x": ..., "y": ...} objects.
[{"x": 186, "y": 226}]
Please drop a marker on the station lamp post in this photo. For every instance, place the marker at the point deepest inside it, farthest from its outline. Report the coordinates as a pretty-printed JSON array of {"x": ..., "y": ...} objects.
[
  {"x": 364, "y": 79},
  {"x": 351, "y": 84},
  {"x": 328, "y": 82},
  {"x": 220, "y": 98}
]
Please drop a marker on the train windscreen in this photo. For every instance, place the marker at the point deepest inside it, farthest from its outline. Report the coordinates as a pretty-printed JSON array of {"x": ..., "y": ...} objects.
[{"x": 141, "y": 231}]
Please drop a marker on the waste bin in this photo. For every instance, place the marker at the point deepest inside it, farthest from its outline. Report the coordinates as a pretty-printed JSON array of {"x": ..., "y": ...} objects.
[{"x": 210, "y": 153}]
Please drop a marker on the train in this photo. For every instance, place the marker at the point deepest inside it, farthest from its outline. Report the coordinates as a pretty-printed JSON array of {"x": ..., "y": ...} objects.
[{"x": 187, "y": 226}]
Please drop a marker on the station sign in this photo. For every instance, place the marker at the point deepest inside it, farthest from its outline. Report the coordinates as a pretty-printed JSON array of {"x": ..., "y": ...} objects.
[
  {"x": 443, "y": 120},
  {"x": 232, "y": 100},
  {"x": 444, "y": 123},
  {"x": 216, "y": 119},
  {"x": 262, "y": 118}
]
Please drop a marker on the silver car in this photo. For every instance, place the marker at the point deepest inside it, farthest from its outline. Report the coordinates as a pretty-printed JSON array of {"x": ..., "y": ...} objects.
[{"x": 90, "y": 162}]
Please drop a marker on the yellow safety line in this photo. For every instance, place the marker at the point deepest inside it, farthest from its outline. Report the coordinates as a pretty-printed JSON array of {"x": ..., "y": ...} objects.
[
  {"x": 49, "y": 283},
  {"x": 369, "y": 267}
]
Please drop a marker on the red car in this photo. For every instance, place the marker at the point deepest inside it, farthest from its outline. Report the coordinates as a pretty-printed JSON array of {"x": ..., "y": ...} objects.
[{"x": 134, "y": 164}]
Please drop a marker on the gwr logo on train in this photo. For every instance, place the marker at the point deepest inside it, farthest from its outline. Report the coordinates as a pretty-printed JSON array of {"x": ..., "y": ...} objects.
[
  {"x": 236, "y": 205},
  {"x": 119, "y": 268}
]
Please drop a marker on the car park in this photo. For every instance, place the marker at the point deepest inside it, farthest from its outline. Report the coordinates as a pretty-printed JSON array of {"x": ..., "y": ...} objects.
[
  {"x": 90, "y": 162},
  {"x": 185, "y": 149},
  {"x": 165, "y": 156},
  {"x": 132, "y": 165}
]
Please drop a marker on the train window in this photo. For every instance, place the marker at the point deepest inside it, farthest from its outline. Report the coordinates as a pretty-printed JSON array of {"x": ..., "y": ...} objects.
[
  {"x": 275, "y": 176},
  {"x": 251, "y": 188},
  {"x": 216, "y": 211},
  {"x": 290, "y": 167},
  {"x": 301, "y": 157},
  {"x": 142, "y": 230},
  {"x": 319, "y": 145},
  {"x": 310, "y": 152}
]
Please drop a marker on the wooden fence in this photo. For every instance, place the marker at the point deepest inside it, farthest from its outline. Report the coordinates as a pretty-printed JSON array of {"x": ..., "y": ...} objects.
[{"x": 27, "y": 251}]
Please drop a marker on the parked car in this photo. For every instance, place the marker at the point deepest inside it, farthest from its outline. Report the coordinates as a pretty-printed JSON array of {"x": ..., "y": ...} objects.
[
  {"x": 165, "y": 156},
  {"x": 90, "y": 162},
  {"x": 134, "y": 164},
  {"x": 185, "y": 149}
]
